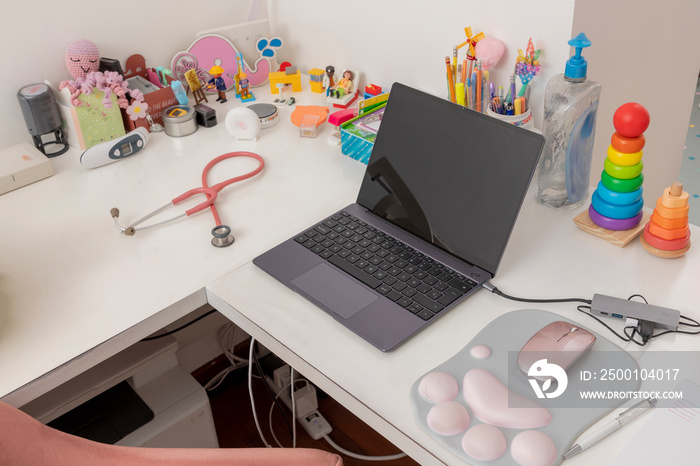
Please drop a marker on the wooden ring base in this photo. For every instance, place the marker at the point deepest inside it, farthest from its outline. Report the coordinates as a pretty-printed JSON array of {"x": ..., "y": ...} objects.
[{"x": 661, "y": 253}]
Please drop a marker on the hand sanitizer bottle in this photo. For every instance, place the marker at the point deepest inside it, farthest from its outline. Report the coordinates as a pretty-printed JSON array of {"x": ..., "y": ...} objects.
[{"x": 570, "y": 108}]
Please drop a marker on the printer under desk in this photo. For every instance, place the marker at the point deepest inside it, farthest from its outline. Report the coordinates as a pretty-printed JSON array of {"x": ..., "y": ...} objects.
[{"x": 159, "y": 403}]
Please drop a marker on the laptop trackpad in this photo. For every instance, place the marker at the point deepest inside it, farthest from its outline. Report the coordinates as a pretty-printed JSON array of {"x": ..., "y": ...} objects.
[{"x": 334, "y": 291}]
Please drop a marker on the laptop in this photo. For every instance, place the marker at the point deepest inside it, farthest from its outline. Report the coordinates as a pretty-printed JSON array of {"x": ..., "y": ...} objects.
[{"x": 439, "y": 199}]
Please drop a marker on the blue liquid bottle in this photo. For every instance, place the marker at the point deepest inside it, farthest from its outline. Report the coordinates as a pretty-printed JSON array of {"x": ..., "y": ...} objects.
[{"x": 570, "y": 110}]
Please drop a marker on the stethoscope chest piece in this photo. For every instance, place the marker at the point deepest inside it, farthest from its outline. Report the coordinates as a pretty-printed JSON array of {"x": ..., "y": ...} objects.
[{"x": 222, "y": 236}]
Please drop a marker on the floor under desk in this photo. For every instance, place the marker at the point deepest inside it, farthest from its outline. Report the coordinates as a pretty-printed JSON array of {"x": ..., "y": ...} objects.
[{"x": 235, "y": 427}]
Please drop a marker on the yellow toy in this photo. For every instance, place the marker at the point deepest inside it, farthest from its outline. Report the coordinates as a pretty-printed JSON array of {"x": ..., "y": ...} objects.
[
  {"x": 471, "y": 41},
  {"x": 316, "y": 80},
  {"x": 282, "y": 77},
  {"x": 195, "y": 86}
]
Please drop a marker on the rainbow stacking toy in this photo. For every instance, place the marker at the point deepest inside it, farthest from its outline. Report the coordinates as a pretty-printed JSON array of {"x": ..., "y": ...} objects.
[
  {"x": 617, "y": 202},
  {"x": 667, "y": 233}
]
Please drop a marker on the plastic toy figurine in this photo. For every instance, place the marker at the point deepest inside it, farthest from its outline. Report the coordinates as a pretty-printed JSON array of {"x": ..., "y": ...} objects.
[
  {"x": 241, "y": 82},
  {"x": 343, "y": 87},
  {"x": 345, "y": 91},
  {"x": 329, "y": 81},
  {"x": 245, "y": 85},
  {"x": 217, "y": 82}
]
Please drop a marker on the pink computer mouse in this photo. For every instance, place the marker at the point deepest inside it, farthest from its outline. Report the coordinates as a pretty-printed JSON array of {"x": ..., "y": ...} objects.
[{"x": 561, "y": 343}]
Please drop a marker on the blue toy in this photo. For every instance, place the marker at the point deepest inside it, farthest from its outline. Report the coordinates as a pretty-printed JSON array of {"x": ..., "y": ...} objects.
[{"x": 179, "y": 91}]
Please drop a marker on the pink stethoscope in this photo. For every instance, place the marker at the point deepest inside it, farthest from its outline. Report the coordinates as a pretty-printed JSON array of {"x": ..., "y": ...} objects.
[{"x": 222, "y": 233}]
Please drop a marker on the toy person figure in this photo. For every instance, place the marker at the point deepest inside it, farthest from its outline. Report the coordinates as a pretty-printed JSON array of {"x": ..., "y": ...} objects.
[
  {"x": 344, "y": 85},
  {"x": 328, "y": 81},
  {"x": 244, "y": 84},
  {"x": 217, "y": 82}
]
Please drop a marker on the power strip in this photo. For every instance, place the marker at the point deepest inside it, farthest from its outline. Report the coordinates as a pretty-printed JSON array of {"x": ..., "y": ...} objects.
[
  {"x": 305, "y": 403},
  {"x": 315, "y": 425}
]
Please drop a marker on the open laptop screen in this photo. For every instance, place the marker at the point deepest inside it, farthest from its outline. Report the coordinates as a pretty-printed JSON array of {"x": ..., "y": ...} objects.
[{"x": 450, "y": 175}]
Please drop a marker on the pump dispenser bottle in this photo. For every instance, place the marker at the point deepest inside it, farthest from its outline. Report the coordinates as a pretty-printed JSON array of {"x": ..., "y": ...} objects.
[{"x": 570, "y": 110}]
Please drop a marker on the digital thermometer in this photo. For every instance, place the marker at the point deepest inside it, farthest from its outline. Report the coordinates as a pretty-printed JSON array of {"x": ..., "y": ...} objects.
[{"x": 113, "y": 151}]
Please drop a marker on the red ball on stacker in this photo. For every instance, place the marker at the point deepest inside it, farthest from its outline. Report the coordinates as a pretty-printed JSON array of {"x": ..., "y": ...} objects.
[{"x": 631, "y": 119}]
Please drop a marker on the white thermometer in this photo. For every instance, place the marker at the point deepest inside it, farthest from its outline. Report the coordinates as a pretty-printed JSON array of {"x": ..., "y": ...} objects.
[{"x": 113, "y": 151}]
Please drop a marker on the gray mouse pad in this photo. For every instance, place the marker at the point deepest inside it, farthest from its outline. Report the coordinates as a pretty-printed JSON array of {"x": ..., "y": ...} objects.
[{"x": 505, "y": 336}]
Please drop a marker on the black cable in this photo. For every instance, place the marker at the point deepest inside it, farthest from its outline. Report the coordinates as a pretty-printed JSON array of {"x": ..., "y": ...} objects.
[
  {"x": 155, "y": 337},
  {"x": 638, "y": 296},
  {"x": 630, "y": 336},
  {"x": 675, "y": 331},
  {"x": 695, "y": 323},
  {"x": 495, "y": 290},
  {"x": 645, "y": 329},
  {"x": 275, "y": 399}
]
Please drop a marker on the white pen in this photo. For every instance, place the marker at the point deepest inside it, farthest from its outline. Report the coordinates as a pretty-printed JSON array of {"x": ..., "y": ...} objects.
[{"x": 619, "y": 421}]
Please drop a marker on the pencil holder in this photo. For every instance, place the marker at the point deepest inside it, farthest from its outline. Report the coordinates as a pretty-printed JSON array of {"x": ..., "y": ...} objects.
[{"x": 524, "y": 120}]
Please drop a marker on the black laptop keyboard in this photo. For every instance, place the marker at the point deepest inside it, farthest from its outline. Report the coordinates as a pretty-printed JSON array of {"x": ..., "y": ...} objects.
[{"x": 408, "y": 277}]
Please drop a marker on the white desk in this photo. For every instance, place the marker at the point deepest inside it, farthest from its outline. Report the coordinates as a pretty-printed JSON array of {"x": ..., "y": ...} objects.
[
  {"x": 547, "y": 257},
  {"x": 74, "y": 291}
]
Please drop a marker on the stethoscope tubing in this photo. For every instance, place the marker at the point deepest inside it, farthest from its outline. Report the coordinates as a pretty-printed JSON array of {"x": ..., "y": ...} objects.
[
  {"x": 219, "y": 186},
  {"x": 210, "y": 192}
]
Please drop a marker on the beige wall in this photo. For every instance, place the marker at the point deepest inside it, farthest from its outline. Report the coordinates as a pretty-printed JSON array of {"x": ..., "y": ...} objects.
[{"x": 645, "y": 52}]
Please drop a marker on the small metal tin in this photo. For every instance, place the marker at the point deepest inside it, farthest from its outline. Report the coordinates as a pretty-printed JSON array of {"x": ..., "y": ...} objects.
[{"x": 179, "y": 120}]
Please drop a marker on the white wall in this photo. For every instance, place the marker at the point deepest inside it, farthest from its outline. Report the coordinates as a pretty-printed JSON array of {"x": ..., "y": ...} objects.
[
  {"x": 407, "y": 41},
  {"x": 645, "y": 52},
  {"x": 390, "y": 40},
  {"x": 35, "y": 37}
]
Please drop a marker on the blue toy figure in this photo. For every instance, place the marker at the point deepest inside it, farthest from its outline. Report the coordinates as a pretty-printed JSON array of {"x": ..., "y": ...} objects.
[{"x": 217, "y": 81}]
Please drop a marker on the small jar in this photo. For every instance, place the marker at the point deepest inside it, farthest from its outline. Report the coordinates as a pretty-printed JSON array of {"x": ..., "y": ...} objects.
[{"x": 179, "y": 120}]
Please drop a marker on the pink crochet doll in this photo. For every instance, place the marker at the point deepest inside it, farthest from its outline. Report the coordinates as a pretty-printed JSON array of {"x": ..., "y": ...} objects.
[{"x": 83, "y": 62}]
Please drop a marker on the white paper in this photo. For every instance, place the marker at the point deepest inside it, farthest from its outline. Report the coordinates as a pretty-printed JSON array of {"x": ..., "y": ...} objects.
[{"x": 670, "y": 435}]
